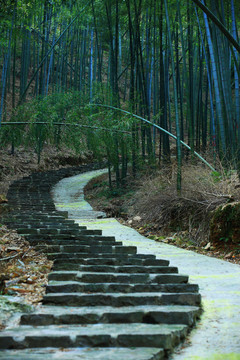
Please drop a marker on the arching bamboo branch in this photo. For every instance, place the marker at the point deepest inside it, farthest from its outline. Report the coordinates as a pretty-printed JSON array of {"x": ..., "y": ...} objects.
[{"x": 158, "y": 127}]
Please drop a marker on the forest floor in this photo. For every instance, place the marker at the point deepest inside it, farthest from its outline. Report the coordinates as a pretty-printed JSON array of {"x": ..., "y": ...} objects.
[{"x": 150, "y": 205}]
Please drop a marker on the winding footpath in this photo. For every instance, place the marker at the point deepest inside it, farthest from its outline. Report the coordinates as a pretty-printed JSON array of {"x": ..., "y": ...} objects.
[
  {"x": 108, "y": 296},
  {"x": 217, "y": 335}
]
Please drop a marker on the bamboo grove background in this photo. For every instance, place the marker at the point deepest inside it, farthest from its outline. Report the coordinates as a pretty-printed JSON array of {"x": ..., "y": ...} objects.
[{"x": 165, "y": 61}]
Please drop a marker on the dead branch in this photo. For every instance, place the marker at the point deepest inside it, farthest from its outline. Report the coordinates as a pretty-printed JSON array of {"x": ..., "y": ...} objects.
[{"x": 10, "y": 257}]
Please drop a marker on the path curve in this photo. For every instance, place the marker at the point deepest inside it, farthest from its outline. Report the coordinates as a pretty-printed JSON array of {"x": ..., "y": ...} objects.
[
  {"x": 217, "y": 336},
  {"x": 103, "y": 300}
]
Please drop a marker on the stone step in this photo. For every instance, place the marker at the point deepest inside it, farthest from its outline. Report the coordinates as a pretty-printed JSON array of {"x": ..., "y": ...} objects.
[
  {"x": 51, "y": 229},
  {"x": 75, "y": 286},
  {"x": 107, "y": 335},
  {"x": 52, "y": 315},
  {"x": 32, "y": 201},
  {"x": 104, "y": 250},
  {"x": 129, "y": 269},
  {"x": 125, "y": 256},
  {"x": 85, "y": 353},
  {"x": 145, "y": 278},
  {"x": 22, "y": 198},
  {"x": 27, "y": 194},
  {"x": 121, "y": 299},
  {"x": 108, "y": 261},
  {"x": 32, "y": 207},
  {"x": 36, "y": 217},
  {"x": 73, "y": 241},
  {"x": 48, "y": 233},
  {"x": 132, "y": 278},
  {"x": 82, "y": 256},
  {"x": 78, "y": 236},
  {"x": 44, "y": 225},
  {"x": 78, "y": 246},
  {"x": 118, "y": 248},
  {"x": 55, "y": 214}
]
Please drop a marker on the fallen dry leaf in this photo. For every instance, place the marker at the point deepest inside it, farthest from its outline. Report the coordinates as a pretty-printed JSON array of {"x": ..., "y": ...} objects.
[{"x": 29, "y": 270}]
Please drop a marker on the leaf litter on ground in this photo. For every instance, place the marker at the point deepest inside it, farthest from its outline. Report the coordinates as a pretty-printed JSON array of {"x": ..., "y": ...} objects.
[{"x": 23, "y": 270}]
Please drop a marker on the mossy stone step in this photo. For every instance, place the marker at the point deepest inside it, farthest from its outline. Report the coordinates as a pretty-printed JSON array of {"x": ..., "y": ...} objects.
[
  {"x": 123, "y": 335},
  {"x": 51, "y": 315}
]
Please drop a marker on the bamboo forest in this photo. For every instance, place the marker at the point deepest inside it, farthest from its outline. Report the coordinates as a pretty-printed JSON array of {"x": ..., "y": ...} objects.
[
  {"x": 119, "y": 179},
  {"x": 134, "y": 81}
]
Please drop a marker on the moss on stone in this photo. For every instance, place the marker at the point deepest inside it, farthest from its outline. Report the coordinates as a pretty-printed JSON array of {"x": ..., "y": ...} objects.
[
  {"x": 231, "y": 356},
  {"x": 11, "y": 304}
]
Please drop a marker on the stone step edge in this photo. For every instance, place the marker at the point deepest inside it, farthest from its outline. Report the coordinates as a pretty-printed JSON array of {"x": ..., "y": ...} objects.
[
  {"x": 121, "y": 299},
  {"x": 75, "y": 286},
  {"x": 134, "y": 335},
  {"x": 119, "y": 353},
  {"x": 184, "y": 315}
]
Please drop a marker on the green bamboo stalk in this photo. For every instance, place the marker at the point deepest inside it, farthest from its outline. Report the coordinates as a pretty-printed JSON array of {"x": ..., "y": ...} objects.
[
  {"x": 5, "y": 66},
  {"x": 49, "y": 52},
  {"x": 178, "y": 142},
  {"x": 216, "y": 86},
  {"x": 223, "y": 29}
]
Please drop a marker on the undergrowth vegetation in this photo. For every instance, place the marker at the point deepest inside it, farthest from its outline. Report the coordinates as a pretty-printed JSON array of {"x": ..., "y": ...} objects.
[
  {"x": 61, "y": 120},
  {"x": 151, "y": 203},
  {"x": 202, "y": 192}
]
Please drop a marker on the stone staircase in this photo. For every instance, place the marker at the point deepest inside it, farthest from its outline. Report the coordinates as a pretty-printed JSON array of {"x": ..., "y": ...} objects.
[{"x": 103, "y": 300}]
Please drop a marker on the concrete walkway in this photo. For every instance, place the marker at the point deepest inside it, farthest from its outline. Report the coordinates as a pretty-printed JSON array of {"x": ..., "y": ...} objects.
[{"x": 217, "y": 336}]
